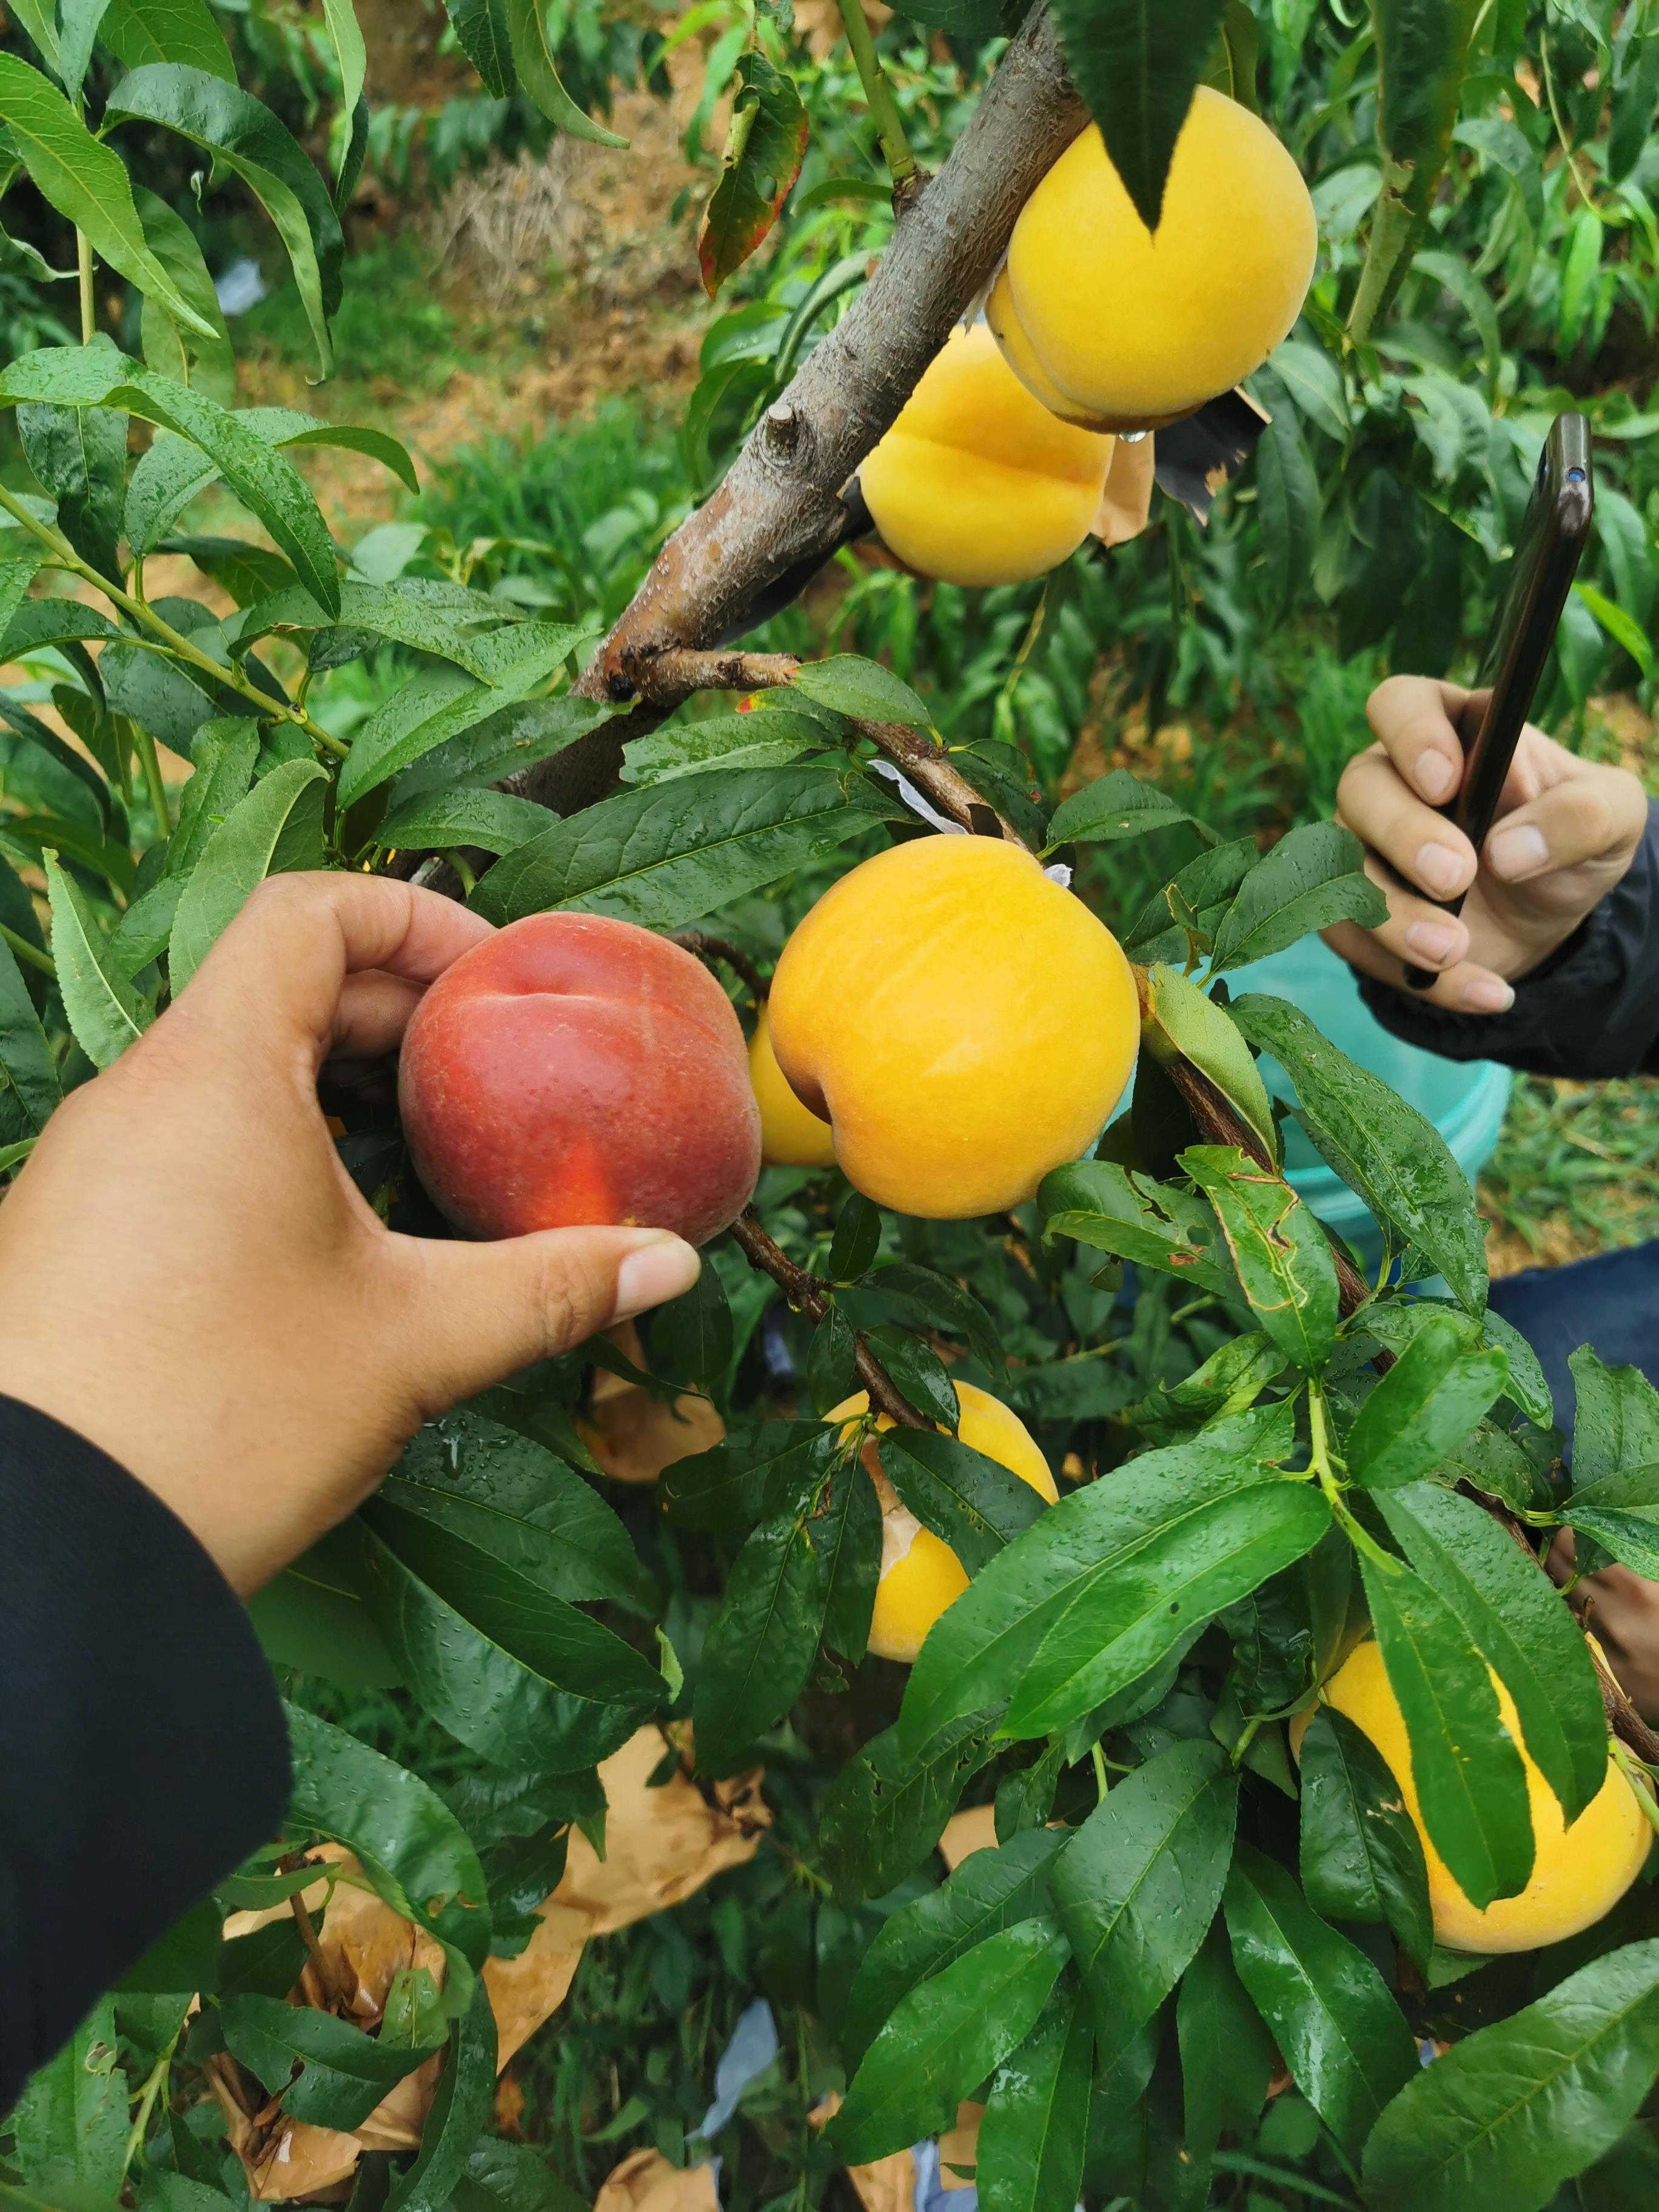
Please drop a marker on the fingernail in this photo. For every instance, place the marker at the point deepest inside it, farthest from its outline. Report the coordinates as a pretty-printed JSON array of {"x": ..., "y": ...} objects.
[
  {"x": 1439, "y": 867},
  {"x": 653, "y": 1272},
  {"x": 1434, "y": 941},
  {"x": 1487, "y": 994},
  {"x": 1518, "y": 851},
  {"x": 1433, "y": 774}
]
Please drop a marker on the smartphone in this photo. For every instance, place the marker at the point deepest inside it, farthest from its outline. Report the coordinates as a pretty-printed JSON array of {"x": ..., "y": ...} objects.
[{"x": 1535, "y": 586}]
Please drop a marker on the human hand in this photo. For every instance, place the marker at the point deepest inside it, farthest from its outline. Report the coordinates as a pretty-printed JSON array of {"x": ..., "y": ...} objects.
[
  {"x": 1565, "y": 833},
  {"x": 189, "y": 1279},
  {"x": 1621, "y": 1611}
]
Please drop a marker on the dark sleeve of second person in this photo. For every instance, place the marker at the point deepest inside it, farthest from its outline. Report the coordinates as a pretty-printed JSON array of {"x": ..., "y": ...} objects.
[
  {"x": 143, "y": 1753},
  {"x": 1591, "y": 1010}
]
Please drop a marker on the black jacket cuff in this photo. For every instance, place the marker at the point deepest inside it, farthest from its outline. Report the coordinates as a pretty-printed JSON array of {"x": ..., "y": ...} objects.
[
  {"x": 142, "y": 1740},
  {"x": 1590, "y": 1010}
]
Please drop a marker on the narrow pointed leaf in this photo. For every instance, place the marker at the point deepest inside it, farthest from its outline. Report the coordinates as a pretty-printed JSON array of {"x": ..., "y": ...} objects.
[
  {"x": 1423, "y": 1407},
  {"x": 277, "y": 827},
  {"x": 1362, "y": 1858},
  {"x": 1471, "y": 1787},
  {"x": 1032, "y": 2137},
  {"x": 105, "y": 1012},
  {"x": 1342, "y": 2035},
  {"x": 1516, "y": 2109},
  {"x": 885, "y": 1811},
  {"x": 1139, "y": 1884},
  {"x": 760, "y": 1644},
  {"x": 945, "y": 2037},
  {"x": 1280, "y": 1250},
  {"x": 532, "y": 63}
]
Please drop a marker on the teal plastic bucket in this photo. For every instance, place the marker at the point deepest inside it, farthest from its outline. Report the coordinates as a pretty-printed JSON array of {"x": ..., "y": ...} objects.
[{"x": 1466, "y": 1100}]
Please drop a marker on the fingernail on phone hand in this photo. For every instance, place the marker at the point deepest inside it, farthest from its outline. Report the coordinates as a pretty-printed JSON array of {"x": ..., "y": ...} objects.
[
  {"x": 1518, "y": 851},
  {"x": 1435, "y": 774}
]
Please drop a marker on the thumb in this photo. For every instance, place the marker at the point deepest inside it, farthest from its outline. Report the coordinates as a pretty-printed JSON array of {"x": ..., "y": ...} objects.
[{"x": 466, "y": 1314}]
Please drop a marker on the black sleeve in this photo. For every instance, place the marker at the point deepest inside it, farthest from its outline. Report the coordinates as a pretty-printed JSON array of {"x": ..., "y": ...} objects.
[
  {"x": 143, "y": 1753},
  {"x": 1592, "y": 1009}
]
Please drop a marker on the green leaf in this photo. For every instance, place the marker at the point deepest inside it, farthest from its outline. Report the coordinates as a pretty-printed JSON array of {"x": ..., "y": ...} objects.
[
  {"x": 1288, "y": 504},
  {"x": 1104, "y": 1585},
  {"x": 973, "y": 1503},
  {"x": 1137, "y": 63},
  {"x": 532, "y": 62},
  {"x": 494, "y": 821},
  {"x": 945, "y": 2037},
  {"x": 104, "y": 1013},
  {"x": 1630, "y": 1533},
  {"x": 1516, "y": 1620},
  {"x": 170, "y": 350},
  {"x": 1423, "y": 1407},
  {"x": 138, "y": 32},
  {"x": 29, "y": 1091},
  {"x": 1422, "y": 50},
  {"x": 1471, "y": 1787},
  {"x": 459, "y": 2115},
  {"x": 1512, "y": 2112},
  {"x": 512, "y": 1498},
  {"x": 1151, "y": 1223},
  {"x": 345, "y": 2073},
  {"x": 411, "y": 1848},
  {"x": 1181, "y": 1020},
  {"x": 863, "y": 690},
  {"x": 760, "y": 1646},
  {"x": 1385, "y": 1150},
  {"x": 512, "y": 2177},
  {"x": 224, "y": 754},
  {"x": 1312, "y": 877},
  {"x": 932, "y": 1301},
  {"x": 764, "y": 144},
  {"x": 1341, "y": 2033},
  {"x": 989, "y": 1891},
  {"x": 79, "y": 456},
  {"x": 71, "y": 2124},
  {"x": 277, "y": 828},
  {"x": 1189, "y": 906},
  {"x": 242, "y": 134},
  {"x": 481, "y": 32},
  {"x": 520, "y": 1675},
  {"x": 1230, "y": 1380},
  {"x": 1116, "y": 805},
  {"x": 1032, "y": 2136},
  {"x": 847, "y": 1533},
  {"x": 1615, "y": 1423},
  {"x": 721, "y": 741},
  {"x": 86, "y": 181},
  {"x": 502, "y": 741},
  {"x": 349, "y": 49},
  {"x": 885, "y": 1811},
  {"x": 1227, "y": 2056},
  {"x": 1137, "y": 1885},
  {"x": 471, "y": 633},
  {"x": 1362, "y": 1858},
  {"x": 751, "y": 1472},
  {"x": 673, "y": 852},
  {"x": 1282, "y": 1259},
  {"x": 692, "y": 1336}
]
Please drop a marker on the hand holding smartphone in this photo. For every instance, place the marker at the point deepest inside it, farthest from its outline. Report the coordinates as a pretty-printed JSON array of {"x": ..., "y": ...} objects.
[{"x": 1540, "y": 573}]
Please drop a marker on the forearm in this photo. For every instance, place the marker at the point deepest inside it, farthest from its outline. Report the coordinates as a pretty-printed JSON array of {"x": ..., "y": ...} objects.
[
  {"x": 1591, "y": 1010},
  {"x": 140, "y": 1737}
]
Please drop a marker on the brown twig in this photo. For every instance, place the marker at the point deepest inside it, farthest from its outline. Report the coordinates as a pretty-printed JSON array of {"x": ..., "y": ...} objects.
[
  {"x": 1622, "y": 1717},
  {"x": 721, "y": 948},
  {"x": 926, "y": 763},
  {"x": 811, "y": 1294},
  {"x": 781, "y": 503}
]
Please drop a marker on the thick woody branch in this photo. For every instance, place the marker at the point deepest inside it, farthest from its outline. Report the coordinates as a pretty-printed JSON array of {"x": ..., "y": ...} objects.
[
  {"x": 780, "y": 503},
  {"x": 811, "y": 1294}
]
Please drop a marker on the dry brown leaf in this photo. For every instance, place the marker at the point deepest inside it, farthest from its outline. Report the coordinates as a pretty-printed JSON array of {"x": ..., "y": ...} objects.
[
  {"x": 975, "y": 1830},
  {"x": 1126, "y": 497},
  {"x": 635, "y": 1436},
  {"x": 958, "y": 2148},
  {"x": 508, "y": 2107},
  {"x": 397, "y": 2121},
  {"x": 662, "y": 1844},
  {"x": 645, "y": 2182},
  {"x": 528, "y": 1990},
  {"x": 297, "y": 2162},
  {"x": 887, "y": 2184}
]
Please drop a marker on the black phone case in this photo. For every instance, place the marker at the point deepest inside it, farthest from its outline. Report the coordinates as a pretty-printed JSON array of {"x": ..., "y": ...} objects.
[{"x": 1540, "y": 573}]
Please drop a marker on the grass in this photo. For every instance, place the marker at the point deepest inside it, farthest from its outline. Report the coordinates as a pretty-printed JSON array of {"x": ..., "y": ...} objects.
[
  {"x": 1575, "y": 1171},
  {"x": 394, "y": 321}
]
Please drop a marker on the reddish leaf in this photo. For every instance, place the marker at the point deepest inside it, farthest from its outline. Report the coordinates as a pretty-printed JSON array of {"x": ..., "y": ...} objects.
[{"x": 763, "y": 158}]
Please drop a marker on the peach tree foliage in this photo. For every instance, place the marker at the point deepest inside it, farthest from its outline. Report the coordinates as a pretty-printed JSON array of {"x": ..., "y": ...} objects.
[{"x": 1270, "y": 1451}]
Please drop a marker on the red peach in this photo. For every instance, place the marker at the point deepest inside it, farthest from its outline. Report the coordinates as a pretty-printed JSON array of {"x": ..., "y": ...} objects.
[{"x": 577, "y": 1069}]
